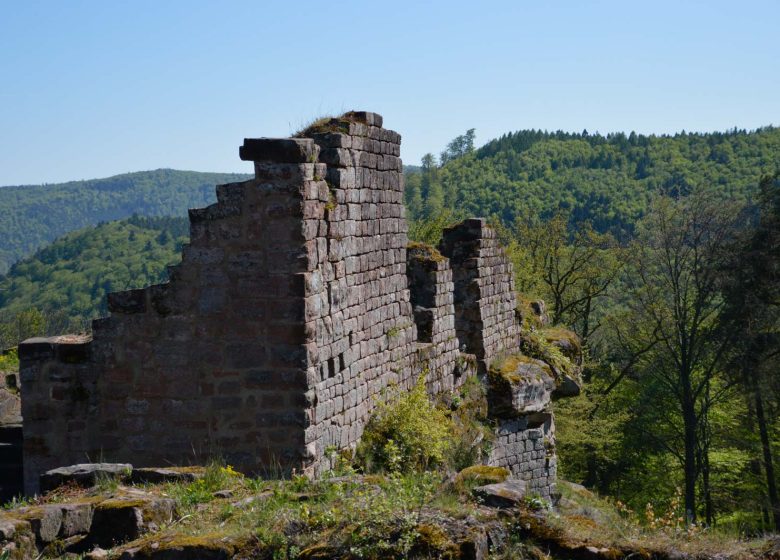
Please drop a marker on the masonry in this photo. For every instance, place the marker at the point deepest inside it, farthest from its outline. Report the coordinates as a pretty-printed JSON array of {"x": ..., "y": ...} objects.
[{"x": 296, "y": 303}]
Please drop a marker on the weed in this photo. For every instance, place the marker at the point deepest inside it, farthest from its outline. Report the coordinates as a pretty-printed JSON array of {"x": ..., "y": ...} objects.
[{"x": 407, "y": 433}]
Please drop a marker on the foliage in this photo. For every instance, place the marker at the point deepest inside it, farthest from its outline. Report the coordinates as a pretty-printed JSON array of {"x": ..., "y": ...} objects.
[
  {"x": 536, "y": 344},
  {"x": 571, "y": 270},
  {"x": 63, "y": 286},
  {"x": 406, "y": 433},
  {"x": 217, "y": 476},
  {"x": 9, "y": 361},
  {"x": 32, "y": 216},
  {"x": 471, "y": 431},
  {"x": 607, "y": 181}
]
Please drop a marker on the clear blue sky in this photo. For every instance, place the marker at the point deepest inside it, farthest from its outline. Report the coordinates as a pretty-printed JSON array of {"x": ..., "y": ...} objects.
[{"x": 91, "y": 89}]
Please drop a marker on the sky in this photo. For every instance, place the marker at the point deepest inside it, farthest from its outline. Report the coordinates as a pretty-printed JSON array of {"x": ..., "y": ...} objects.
[{"x": 98, "y": 88}]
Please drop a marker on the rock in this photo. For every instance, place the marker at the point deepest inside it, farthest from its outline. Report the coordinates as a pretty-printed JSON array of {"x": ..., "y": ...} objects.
[
  {"x": 252, "y": 500},
  {"x": 11, "y": 526},
  {"x": 96, "y": 554},
  {"x": 127, "y": 517},
  {"x": 539, "y": 309},
  {"x": 84, "y": 475},
  {"x": 10, "y": 405},
  {"x": 206, "y": 547},
  {"x": 289, "y": 150},
  {"x": 224, "y": 494},
  {"x": 567, "y": 387},
  {"x": 45, "y": 521},
  {"x": 158, "y": 476},
  {"x": 76, "y": 519},
  {"x": 519, "y": 385},
  {"x": 480, "y": 474},
  {"x": 507, "y": 494}
]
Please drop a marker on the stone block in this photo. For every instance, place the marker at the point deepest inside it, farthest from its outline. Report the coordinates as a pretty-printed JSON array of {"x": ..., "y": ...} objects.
[{"x": 282, "y": 150}]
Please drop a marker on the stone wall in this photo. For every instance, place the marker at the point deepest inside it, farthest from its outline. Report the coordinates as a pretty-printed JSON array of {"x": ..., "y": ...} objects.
[
  {"x": 484, "y": 291},
  {"x": 432, "y": 298},
  {"x": 295, "y": 305},
  {"x": 526, "y": 447}
]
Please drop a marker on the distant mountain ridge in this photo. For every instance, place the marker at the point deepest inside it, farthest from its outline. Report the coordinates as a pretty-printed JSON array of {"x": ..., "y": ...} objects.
[
  {"x": 68, "y": 279},
  {"x": 32, "y": 216},
  {"x": 606, "y": 180}
]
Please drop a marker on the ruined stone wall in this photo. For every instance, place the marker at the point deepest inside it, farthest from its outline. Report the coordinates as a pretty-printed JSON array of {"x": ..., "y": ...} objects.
[
  {"x": 432, "y": 297},
  {"x": 484, "y": 291},
  {"x": 295, "y": 305},
  {"x": 527, "y": 450},
  {"x": 359, "y": 324},
  {"x": 211, "y": 363}
]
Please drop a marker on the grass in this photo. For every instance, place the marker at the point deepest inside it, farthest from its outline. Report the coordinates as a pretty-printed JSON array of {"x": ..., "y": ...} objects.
[
  {"x": 424, "y": 251},
  {"x": 325, "y": 124},
  {"x": 408, "y": 515},
  {"x": 585, "y": 517}
]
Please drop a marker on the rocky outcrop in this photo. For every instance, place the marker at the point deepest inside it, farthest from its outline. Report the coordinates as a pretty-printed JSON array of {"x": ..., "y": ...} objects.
[{"x": 80, "y": 525}]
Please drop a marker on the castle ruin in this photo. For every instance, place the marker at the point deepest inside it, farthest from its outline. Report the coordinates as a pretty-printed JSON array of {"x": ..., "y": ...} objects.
[{"x": 296, "y": 303}]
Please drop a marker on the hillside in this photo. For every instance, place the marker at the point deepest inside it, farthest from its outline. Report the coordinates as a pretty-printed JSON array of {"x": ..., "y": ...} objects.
[
  {"x": 608, "y": 180},
  {"x": 70, "y": 277},
  {"x": 32, "y": 216}
]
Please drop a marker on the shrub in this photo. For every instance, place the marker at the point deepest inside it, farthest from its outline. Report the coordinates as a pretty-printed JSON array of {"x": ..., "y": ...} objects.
[
  {"x": 472, "y": 433},
  {"x": 406, "y": 433}
]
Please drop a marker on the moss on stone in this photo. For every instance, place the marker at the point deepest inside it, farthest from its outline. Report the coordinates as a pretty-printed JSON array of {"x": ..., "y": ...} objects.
[
  {"x": 478, "y": 475},
  {"x": 424, "y": 251},
  {"x": 505, "y": 369},
  {"x": 324, "y": 125},
  {"x": 434, "y": 542},
  {"x": 556, "y": 334}
]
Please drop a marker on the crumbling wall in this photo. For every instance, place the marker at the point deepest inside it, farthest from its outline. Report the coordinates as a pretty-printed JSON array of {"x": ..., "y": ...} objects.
[
  {"x": 295, "y": 305},
  {"x": 437, "y": 353},
  {"x": 359, "y": 324},
  {"x": 526, "y": 447},
  {"x": 484, "y": 290}
]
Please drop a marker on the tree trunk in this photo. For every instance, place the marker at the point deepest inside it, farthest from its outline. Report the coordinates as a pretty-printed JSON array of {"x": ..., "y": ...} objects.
[
  {"x": 768, "y": 466},
  {"x": 709, "y": 514},
  {"x": 689, "y": 467}
]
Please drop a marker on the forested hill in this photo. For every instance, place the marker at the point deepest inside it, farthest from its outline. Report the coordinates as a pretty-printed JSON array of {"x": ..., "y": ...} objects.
[
  {"x": 605, "y": 179},
  {"x": 32, "y": 216},
  {"x": 67, "y": 281}
]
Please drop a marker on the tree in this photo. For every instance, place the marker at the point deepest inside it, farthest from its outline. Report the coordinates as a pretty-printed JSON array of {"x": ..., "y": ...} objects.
[
  {"x": 753, "y": 302},
  {"x": 431, "y": 187},
  {"x": 458, "y": 147},
  {"x": 575, "y": 269},
  {"x": 676, "y": 310}
]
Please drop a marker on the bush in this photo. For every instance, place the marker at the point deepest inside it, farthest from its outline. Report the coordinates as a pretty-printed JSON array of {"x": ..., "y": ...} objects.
[{"x": 405, "y": 434}]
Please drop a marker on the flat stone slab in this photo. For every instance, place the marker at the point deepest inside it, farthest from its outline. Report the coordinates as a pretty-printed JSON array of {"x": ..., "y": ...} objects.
[
  {"x": 279, "y": 150},
  {"x": 149, "y": 475},
  {"x": 507, "y": 494},
  {"x": 84, "y": 475},
  {"x": 127, "y": 517}
]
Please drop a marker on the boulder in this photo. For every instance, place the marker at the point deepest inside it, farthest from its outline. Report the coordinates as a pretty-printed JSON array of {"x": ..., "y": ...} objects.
[
  {"x": 84, "y": 475},
  {"x": 45, "y": 521},
  {"x": 567, "y": 387},
  {"x": 128, "y": 516},
  {"x": 507, "y": 494},
  {"x": 519, "y": 385}
]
